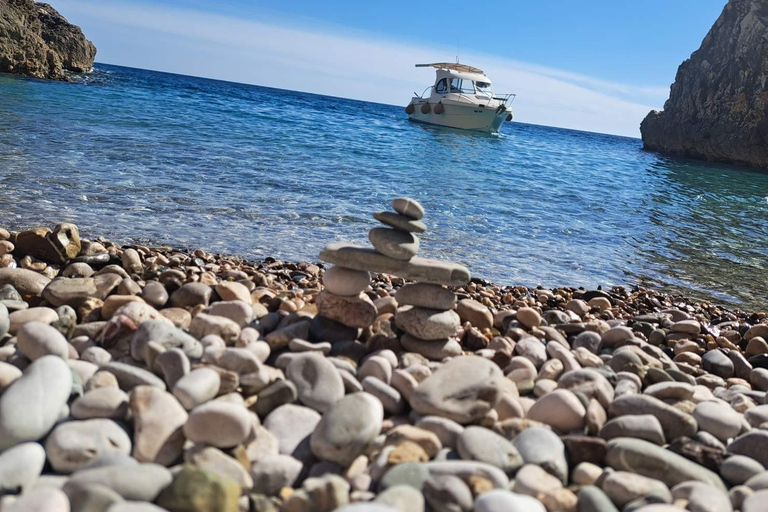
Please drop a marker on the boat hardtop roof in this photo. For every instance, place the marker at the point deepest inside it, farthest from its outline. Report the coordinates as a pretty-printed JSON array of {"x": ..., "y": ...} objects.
[
  {"x": 454, "y": 69},
  {"x": 454, "y": 66}
]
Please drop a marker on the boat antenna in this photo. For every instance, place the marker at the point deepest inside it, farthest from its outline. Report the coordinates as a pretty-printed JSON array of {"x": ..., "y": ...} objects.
[{"x": 458, "y": 49}]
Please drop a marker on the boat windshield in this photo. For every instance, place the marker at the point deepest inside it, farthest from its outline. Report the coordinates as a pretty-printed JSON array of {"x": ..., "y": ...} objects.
[
  {"x": 484, "y": 88},
  {"x": 462, "y": 86}
]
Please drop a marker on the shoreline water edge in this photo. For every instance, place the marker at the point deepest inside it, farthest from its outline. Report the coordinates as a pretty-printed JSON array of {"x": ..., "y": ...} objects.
[{"x": 205, "y": 383}]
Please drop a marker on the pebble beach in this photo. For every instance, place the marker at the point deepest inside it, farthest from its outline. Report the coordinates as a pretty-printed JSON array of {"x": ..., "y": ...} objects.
[{"x": 136, "y": 378}]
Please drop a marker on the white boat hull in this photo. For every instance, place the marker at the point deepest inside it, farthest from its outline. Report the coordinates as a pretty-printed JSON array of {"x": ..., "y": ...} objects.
[{"x": 464, "y": 117}]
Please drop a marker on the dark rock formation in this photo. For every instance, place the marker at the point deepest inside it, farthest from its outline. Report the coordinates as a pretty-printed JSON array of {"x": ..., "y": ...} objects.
[
  {"x": 36, "y": 40},
  {"x": 718, "y": 106}
]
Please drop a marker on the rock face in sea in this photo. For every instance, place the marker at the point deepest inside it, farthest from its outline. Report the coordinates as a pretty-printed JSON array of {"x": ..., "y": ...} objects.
[
  {"x": 36, "y": 40},
  {"x": 718, "y": 105}
]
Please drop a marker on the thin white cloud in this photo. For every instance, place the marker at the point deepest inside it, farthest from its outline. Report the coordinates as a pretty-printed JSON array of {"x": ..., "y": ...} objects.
[{"x": 351, "y": 65}]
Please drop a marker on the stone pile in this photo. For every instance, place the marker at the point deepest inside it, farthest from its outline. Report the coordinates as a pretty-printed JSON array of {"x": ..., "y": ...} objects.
[
  {"x": 138, "y": 379},
  {"x": 426, "y": 313}
]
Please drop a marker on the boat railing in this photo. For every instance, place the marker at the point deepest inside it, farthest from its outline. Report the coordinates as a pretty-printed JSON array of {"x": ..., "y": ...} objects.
[
  {"x": 505, "y": 97},
  {"x": 425, "y": 92}
]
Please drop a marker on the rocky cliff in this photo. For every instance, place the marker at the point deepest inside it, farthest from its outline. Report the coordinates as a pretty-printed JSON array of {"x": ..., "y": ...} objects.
[
  {"x": 718, "y": 106},
  {"x": 36, "y": 40}
]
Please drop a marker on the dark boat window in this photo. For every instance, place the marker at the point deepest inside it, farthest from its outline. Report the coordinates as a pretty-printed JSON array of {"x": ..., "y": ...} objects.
[{"x": 442, "y": 86}]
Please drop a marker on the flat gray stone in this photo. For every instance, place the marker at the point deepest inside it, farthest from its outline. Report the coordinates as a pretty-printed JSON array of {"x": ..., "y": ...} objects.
[
  {"x": 737, "y": 469},
  {"x": 128, "y": 376},
  {"x": 91, "y": 498},
  {"x": 219, "y": 423},
  {"x": 197, "y": 387},
  {"x": 167, "y": 335},
  {"x": 36, "y": 339},
  {"x": 21, "y": 466},
  {"x": 702, "y": 497},
  {"x": 483, "y": 445},
  {"x": 403, "y": 498},
  {"x": 642, "y": 426},
  {"x": 418, "y": 268},
  {"x": 30, "y": 406},
  {"x": 25, "y": 281},
  {"x": 593, "y": 499},
  {"x": 465, "y": 469},
  {"x": 436, "y": 350},
  {"x": 412, "y": 474},
  {"x": 347, "y": 427},
  {"x": 408, "y": 207},
  {"x": 648, "y": 459},
  {"x": 191, "y": 295},
  {"x": 397, "y": 244},
  {"x": 463, "y": 390},
  {"x": 155, "y": 294},
  {"x": 674, "y": 422},
  {"x": 427, "y": 324},
  {"x": 542, "y": 447},
  {"x": 448, "y": 431},
  {"x": 272, "y": 473},
  {"x": 291, "y": 425},
  {"x": 752, "y": 444},
  {"x": 73, "y": 291},
  {"x": 104, "y": 402},
  {"x": 507, "y": 501},
  {"x": 157, "y": 420},
  {"x": 346, "y": 282},
  {"x": 317, "y": 381},
  {"x": 73, "y": 444},
  {"x": 623, "y": 487},
  {"x": 447, "y": 493},
  {"x": 135, "y": 482},
  {"x": 40, "y": 499},
  {"x": 389, "y": 397},
  {"x": 719, "y": 419},
  {"x": 400, "y": 222},
  {"x": 426, "y": 295}
]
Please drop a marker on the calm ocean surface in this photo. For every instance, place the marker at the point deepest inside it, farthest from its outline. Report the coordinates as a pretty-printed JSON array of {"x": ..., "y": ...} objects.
[{"x": 156, "y": 158}]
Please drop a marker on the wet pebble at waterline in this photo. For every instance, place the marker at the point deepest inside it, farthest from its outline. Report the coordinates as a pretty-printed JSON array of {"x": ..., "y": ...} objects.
[{"x": 194, "y": 382}]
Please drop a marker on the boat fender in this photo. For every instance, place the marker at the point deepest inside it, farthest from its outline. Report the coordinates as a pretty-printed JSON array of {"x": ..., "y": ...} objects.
[
  {"x": 439, "y": 108},
  {"x": 509, "y": 117},
  {"x": 425, "y": 108},
  {"x": 410, "y": 109}
]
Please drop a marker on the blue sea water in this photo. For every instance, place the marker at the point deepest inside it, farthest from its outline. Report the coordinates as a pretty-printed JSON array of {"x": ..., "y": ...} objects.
[{"x": 156, "y": 158}]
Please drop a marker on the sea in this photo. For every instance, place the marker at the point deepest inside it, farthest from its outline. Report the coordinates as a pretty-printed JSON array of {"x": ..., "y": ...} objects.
[{"x": 154, "y": 158}]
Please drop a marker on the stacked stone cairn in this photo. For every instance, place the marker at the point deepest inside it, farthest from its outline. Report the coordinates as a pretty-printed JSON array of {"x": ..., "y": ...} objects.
[{"x": 426, "y": 313}]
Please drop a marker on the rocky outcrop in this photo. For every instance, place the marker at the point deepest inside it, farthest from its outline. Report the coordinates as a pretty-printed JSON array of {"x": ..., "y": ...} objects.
[
  {"x": 35, "y": 40},
  {"x": 718, "y": 106}
]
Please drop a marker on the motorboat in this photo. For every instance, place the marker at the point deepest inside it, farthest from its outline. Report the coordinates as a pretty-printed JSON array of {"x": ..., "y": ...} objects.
[{"x": 462, "y": 97}]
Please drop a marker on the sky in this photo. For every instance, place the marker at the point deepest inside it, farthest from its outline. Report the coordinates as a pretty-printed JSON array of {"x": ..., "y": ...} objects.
[{"x": 594, "y": 65}]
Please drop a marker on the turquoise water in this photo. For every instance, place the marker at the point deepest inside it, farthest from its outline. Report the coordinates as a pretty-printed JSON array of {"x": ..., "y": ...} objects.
[{"x": 156, "y": 158}]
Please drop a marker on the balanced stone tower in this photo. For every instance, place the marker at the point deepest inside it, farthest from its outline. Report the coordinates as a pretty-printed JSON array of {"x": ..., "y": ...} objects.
[{"x": 426, "y": 311}]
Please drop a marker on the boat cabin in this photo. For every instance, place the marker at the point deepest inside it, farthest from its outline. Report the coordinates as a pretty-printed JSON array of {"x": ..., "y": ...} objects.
[{"x": 456, "y": 82}]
